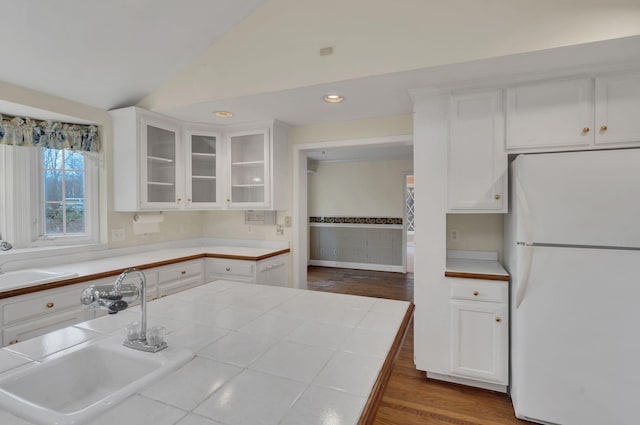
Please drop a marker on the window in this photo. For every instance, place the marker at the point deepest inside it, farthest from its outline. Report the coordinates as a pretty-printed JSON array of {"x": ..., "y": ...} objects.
[
  {"x": 48, "y": 197},
  {"x": 63, "y": 183}
]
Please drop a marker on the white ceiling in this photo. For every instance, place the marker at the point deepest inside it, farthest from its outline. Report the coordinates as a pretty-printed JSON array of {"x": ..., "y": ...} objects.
[
  {"x": 108, "y": 53},
  {"x": 111, "y": 53}
]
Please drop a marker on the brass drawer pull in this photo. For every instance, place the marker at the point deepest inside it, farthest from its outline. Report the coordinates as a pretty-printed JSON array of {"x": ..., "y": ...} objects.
[
  {"x": 228, "y": 269},
  {"x": 603, "y": 128},
  {"x": 476, "y": 293},
  {"x": 498, "y": 319},
  {"x": 586, "y": 130},
  {"x": 183, "y": 272},
  {"x": 13, "y": 341},
  {"x": 50, "y": 305}
]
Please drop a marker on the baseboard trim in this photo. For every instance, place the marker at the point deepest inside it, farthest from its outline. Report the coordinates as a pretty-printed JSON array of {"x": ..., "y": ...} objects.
[
  {"x": 469, "y": 382},
  {"x": 359, "y": 266}
]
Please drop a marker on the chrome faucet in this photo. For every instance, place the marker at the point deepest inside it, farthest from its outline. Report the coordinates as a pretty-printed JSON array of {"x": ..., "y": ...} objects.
[{"x": 117, "y": 298}]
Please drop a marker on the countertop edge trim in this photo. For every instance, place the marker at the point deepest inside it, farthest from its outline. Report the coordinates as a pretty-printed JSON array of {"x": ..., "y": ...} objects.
[
  {"x": 482, "y": 276},
  {"x": 370, "y": 409},
  {"x": 80, "y": 279}
]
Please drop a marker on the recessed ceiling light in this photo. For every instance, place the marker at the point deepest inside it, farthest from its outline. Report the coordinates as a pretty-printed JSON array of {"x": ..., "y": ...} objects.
[
  {"x": 223, "y": 114},
  {"x": 333, "y": 98}
]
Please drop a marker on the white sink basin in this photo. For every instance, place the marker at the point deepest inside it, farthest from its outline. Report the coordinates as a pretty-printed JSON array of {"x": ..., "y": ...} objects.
[
  {"x": 29, "y": 277},
  {"x": 76, "y": 387}
]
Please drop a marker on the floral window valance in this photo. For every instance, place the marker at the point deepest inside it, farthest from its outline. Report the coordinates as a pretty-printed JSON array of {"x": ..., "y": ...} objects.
[{"x": 21, "y": 131}]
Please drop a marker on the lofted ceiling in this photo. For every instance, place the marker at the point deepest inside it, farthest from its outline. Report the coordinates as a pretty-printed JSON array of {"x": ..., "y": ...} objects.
[
  {"x": 260, "y": 58},
  {"x": 108, "y": 53}
]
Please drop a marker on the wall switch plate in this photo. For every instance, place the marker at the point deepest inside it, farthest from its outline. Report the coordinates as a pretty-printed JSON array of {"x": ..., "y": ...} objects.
[
  {"x": 117, "y": 235},
  {"x": 287, "y": 221},
  {"x": 279, "y": 229}
]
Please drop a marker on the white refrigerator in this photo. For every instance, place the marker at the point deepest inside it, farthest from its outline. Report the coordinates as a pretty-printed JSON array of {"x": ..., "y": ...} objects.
[{"x": 573, "y": 251}]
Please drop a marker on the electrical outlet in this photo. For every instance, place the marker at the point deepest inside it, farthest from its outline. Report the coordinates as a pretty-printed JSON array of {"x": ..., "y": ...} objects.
[
  {"x": 249, "y": 229},
  {"x": 279, "y": 229},
  {"x": 453, "y": 235},
  {"x": 287, "y": 221},
  {"x": 117, "y": 235}
]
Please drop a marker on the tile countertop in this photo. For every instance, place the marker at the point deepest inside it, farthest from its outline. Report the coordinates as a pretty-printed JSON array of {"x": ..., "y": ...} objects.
[
  {"x": 471, "y": 265},
  {"x": 115, "y": 264},
  {"x": 264, "y": 355}
]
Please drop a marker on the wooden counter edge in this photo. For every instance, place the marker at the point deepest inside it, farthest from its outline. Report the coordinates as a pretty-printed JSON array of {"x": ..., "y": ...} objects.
[
  {"x": 465, "y": 275},
  {"x": 80, "y": 279},
  {"x": 373, "y": 402}
]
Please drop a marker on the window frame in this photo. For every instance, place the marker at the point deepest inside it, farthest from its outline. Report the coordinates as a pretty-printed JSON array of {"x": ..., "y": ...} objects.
[{"x": 22, "y": 203}]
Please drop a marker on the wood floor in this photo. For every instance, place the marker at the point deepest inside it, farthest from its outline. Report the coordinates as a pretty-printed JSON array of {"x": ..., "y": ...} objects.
[{"x": 410, "y": 398}]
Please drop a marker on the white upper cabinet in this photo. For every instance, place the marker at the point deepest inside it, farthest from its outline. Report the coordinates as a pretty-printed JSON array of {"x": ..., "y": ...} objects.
[
  {"x": 618, "y": 109},
  {"x": 203, "y": 169},
  {"x": 147, "y": 170},
  {"x": 550, "y": 114},
  {"x": 477, "y": 160},
  {"x": 257, "y": 167},
  {"x": 164, "y": 164},
  {"x": 249, "y": 169}
]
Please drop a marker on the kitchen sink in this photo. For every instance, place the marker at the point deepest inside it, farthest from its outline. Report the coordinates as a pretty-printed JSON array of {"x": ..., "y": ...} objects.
[
  {"x": 75, "y": 387},
  {"x": 29, "y": 277}
]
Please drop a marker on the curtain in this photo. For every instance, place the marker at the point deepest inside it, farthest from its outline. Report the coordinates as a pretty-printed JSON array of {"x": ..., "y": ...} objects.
[{"x": 21, "y": 131}]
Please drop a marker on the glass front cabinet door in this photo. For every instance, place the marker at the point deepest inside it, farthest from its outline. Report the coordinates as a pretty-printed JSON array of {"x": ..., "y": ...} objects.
[
  {"x": 249, "y": 167},
  {"x": 160, "y": 170},
  {"x": 202, "y": 170}
]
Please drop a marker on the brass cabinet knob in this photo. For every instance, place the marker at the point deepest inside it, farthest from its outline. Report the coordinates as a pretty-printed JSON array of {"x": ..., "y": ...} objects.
[
  {"x": 586, "y": 130},
  {"x": 228, "y": 200},
  {"x": 603, "y": 128},
  {"x": 228, "y": 269},
  {"x": 476, "y": 293},
  {"x": 179, "y": 200},
  {"x": 188, "y": 199},
  {"x": 497, "y": 196},
  {"x": 183, "y": 272},
  {"x": 498, "y": 319},
  {"x": 13, "y": 341},
  {"x": 50, "y": 305}
]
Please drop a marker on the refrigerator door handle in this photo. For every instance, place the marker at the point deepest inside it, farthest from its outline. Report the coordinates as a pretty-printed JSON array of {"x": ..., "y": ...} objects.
[
  {"x": 525, "y": 270},
  {"x": 525, "y": 212},
  {"x": 523, "y": 276}
]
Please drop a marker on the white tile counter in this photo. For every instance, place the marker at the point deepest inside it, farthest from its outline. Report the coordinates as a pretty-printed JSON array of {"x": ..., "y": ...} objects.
[
  {"x": 475, "y": 265},
  {"x": 264, "y": 355}
]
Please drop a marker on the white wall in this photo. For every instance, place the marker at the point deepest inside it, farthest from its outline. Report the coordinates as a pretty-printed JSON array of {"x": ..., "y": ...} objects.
[
  {"x": 364, "y": 188},
  {"x": 476, "y": 232},
  {"x": 230, "y": 224},
  {"x": 177, "y": 225},
  {"x": 372, "y": 37}
]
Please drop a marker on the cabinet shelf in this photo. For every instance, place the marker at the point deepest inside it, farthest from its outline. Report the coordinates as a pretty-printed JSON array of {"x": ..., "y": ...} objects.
[
  {"x": 203, "y": 177},
  {"x": 248, "y": 164},
  {"x": 203, "y": 155},
  {"x": 247, "y": 185},
  {"x": 159, "y": 159},
  {"x": 160, "y": 184}
]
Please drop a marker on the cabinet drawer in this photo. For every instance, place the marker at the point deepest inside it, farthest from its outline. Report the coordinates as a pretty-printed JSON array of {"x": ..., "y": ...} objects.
[
  {"x": 180, "y": 272},
  {"x": 172, "y": 288},
  {"x": 232, "y": 269},
  {"x": 41, "y": 305},
  {"x": 479, "y": 290},
  {"x": 24, "y": 331}
]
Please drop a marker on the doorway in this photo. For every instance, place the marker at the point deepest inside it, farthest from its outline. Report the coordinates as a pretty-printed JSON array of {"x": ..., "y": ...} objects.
[{"x": 300, "y": 248}]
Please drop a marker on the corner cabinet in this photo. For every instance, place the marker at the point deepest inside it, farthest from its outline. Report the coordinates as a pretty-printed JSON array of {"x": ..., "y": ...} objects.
[
  {"x": 203, "y": 168},
  {"x": 618, "y": 109},
  {"x": 477, "y": 160},
  {"x": 479, "y": 330},
  {"x": 164, "y": 164}
]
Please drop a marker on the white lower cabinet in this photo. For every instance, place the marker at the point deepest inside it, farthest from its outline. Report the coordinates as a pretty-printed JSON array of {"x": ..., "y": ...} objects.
[
  {"x": 479, "y": 330},
  {"x": 31, "y": 315},
  {"x": 270, "y": 271},
  {"x": 178, "y": 277}
]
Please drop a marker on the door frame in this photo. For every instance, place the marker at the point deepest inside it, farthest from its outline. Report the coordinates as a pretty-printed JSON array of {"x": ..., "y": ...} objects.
[{"x": 300, "y": 243}]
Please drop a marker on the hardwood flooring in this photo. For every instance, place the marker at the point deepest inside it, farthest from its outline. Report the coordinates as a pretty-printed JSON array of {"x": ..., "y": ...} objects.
[{"x": 410, "y": 398}]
